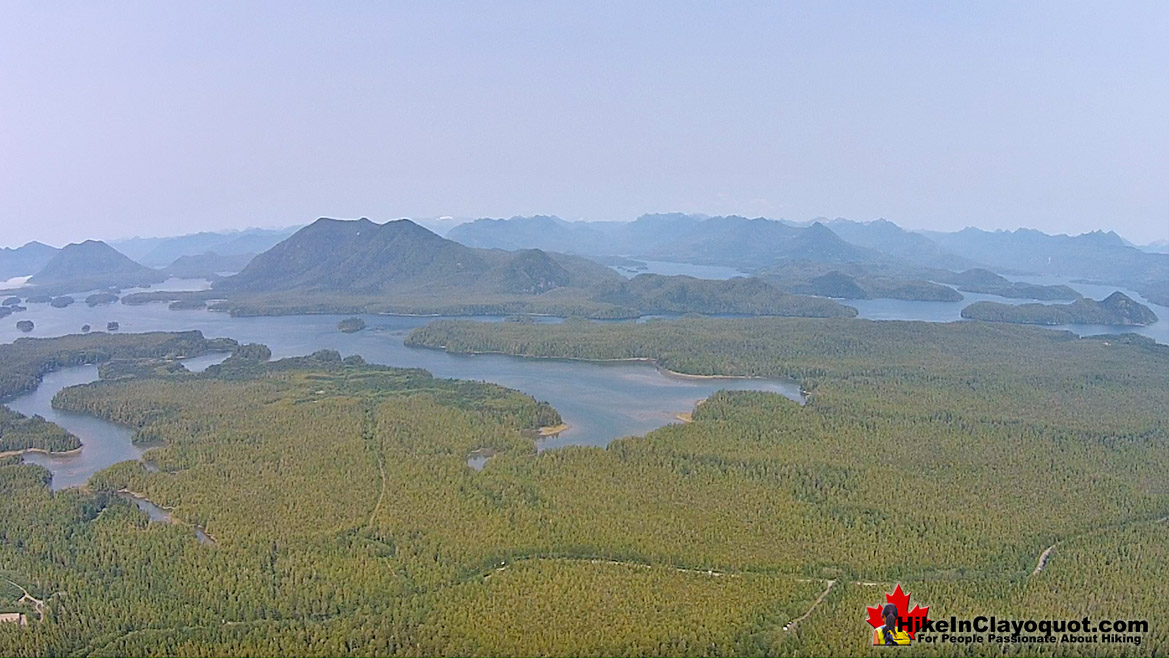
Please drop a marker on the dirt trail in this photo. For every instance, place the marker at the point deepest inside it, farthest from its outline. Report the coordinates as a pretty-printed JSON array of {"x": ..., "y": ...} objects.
[
  {"x": 369, "y": 433},
  {"x": 37, "y": 604},
  {"x": 381, "y": 465},
  {"x": 792, "y": 624}
]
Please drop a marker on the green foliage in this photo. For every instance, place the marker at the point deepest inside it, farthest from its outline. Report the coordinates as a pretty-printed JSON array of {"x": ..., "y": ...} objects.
[
  {"x": 1116, "y": 309},
  {"x": 26, "y": 360},
  {"x": 654, "y": 293},
  {"x": 943, "y": 457},
  {"x": 19, "y": 432}
]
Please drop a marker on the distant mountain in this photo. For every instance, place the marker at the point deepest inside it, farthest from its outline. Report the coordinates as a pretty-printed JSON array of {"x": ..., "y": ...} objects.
[
  {"x": 400, "y": 267},
  {"x": 158, "y": 252},
  {"x": 732, "y": 240},
  {"x": 207, "y": 266},
  {"x": 92, "y": 264},
  {"x": 1097, "y": 255},
  {"x": 1157, "y": 247},
  {"x": 886, "y": 237},
  {"x": 545, "y": 232},
  {"x": 364, "y": 258},
  {"x": 1117, "y": 309},
  {"x": 440, "y": 225},
  {"x": 24, "y": 261},
  {"x": 753, "y": 243}
]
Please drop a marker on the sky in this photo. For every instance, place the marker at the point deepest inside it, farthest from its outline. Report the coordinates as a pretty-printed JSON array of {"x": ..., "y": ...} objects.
[{"x": 163, "y": 118}]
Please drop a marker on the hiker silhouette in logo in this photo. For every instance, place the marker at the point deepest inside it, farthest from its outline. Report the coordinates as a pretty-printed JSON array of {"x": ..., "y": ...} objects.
[{"x": 889, "y": 634}]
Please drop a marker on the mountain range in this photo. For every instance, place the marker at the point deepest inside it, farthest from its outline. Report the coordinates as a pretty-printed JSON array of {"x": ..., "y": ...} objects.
[
  {"x": 1096, "y": 256},
  {"x": 159, "y": 252},
  {"x": 761, "y": 244},
  {"x": 361, "y": 257},
  {"x": 357, "y": 265},
  {"x": 730, "y": 241}
]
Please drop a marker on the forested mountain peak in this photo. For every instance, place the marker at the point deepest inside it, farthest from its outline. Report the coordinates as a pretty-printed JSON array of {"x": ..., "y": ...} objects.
[
  {"x": 92, "y": 264},
  {"x": 363, "y": 257}
]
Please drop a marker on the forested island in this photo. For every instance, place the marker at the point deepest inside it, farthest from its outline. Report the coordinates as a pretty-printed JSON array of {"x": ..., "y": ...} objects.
[
  {"x": 987, "y": 282},
  {"x": 1117, "y": 309},
  {"x": 351, "y": 325},
  {"x": 347, "y": 521}
]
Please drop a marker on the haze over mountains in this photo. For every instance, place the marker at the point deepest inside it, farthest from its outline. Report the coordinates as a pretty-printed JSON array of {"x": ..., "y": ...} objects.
[
  {"x": 24, "y": 261},
  {"x": 159, "y": 252},
  {"x": 362, "y": 257},
  {"x": 881, "y": 245},
  {"x": 543, "y": 264},
  {"x": 344, "y": 266}
]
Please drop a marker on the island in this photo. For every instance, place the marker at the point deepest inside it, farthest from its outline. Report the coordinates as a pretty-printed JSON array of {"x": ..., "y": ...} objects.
[
  {"x": 351, "y": 325},
  {"x": 979, "y": 280},
  {"x": 61, "y": 302},
  {"x": 99, "y": 298},
  {"x": 1117, "y": 309},
  {"x": 187, "y": 304},
  {"x": 856, "y": 281},
  {"x": 25, "y": 325},
  {"x": 12, "y": 301},
  {"x": 112, "y": 326}
]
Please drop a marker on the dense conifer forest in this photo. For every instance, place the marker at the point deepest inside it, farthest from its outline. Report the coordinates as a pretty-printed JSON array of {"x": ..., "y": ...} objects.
[{"x": 345, "y": 519}]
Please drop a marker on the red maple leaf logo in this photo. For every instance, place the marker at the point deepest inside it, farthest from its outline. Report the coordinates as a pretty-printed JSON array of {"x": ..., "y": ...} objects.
[{"x": 910, "y": 619}]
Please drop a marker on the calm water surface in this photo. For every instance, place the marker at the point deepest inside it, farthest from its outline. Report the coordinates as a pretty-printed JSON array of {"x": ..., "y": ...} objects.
[{"x": 599, "y": 401}]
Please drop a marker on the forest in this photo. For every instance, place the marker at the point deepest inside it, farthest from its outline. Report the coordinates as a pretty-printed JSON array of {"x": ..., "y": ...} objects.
[
  {"x": 942, "y": 457},
  {"x": 28, "y": 359},
  {"x": 1116, "y": 309}
]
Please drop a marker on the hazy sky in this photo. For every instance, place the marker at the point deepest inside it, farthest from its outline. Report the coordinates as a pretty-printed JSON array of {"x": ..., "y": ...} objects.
[{"x": 159, "y": 118}]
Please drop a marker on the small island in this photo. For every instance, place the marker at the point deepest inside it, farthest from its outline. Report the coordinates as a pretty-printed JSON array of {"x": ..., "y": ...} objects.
[
  {"x": 1117, "y": 309},
  {"x": 112, "y": 326},
  {"x": 85, "y": 328},
  {"x": 61, "y": 302},
  {"x": 25, "y": 325},
  {"x": 100, "y": 298},
  {"x": 351, "y": 325},
  {"x": 39, "y": 299},
  {"x": 187, "y": 305},
  {"x": 11, "y": 301}
]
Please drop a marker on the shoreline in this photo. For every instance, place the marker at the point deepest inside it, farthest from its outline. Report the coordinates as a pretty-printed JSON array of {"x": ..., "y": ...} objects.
[
  {"x": 631, "y": 359},
  {"x": 552, "y": 430},
  {"x": 41, "y": 451}
]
